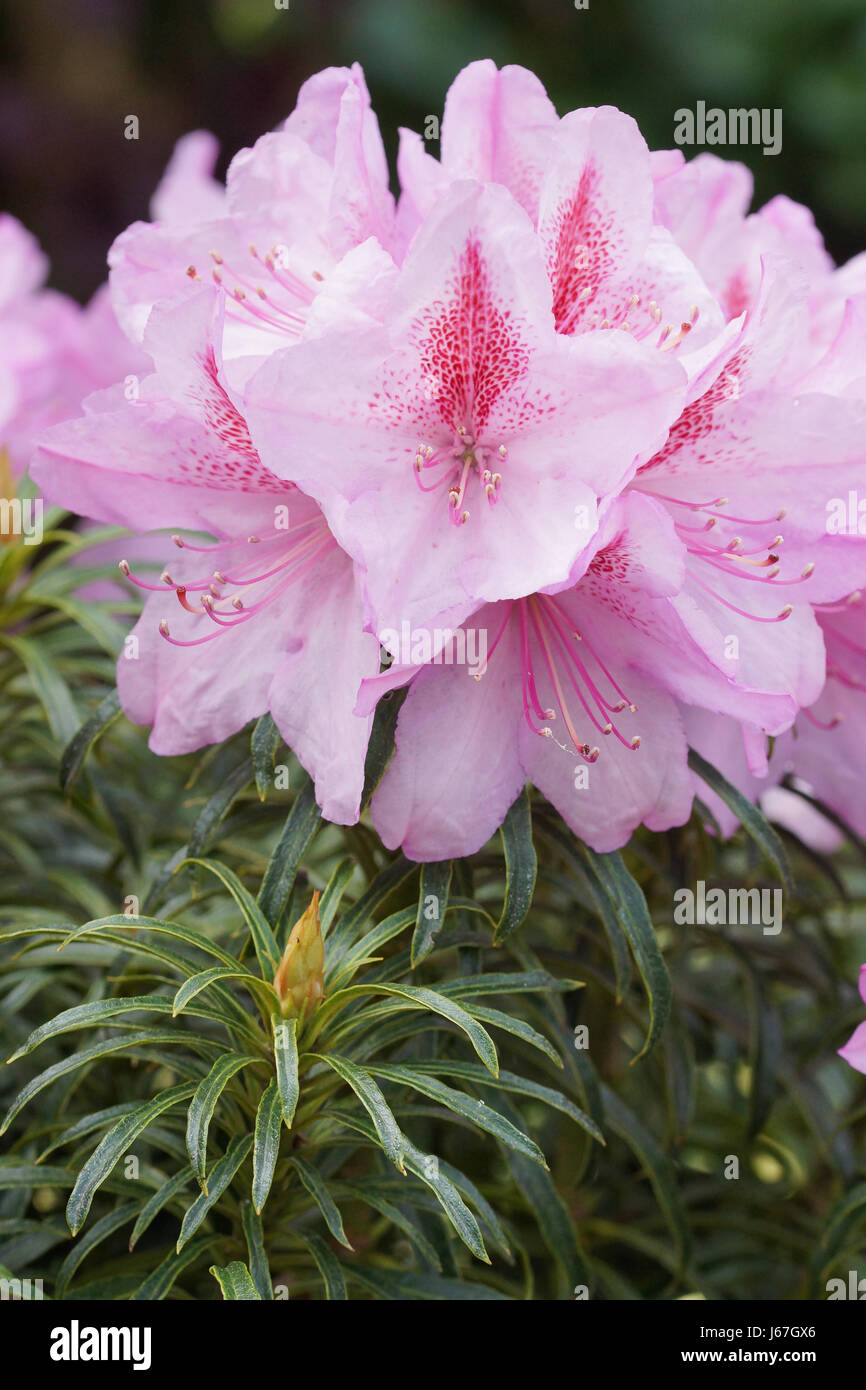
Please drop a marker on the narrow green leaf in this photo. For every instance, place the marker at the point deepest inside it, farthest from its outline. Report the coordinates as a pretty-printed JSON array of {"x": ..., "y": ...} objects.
[
  {"x": 144, "y": 1037},
  {"x": 100, "y": 1231},
  {"x": 160, "y": 1199},
  {"x": 236, "y": 1282},
  {"x": 753, "y": 820},
  {"x": 521, "y": 866},
  {"x": 629, "y": 903},
  {"x": 422, "y": 999},
  {"x": 318, "y": 1190},
  {"x": 656, "y": 1165},
  {"x": 264, "y": 941},
  {"x": 203, "y": 1105},
  {"x": 254, "y": 1235},
  {"x": 517, "y": 1027},
  {"x": 332, "y": 896},
  {"x": 50, "y": 688},
  {"x": 476, "y": 1111},
  {"x": 269, "y": 1120},
  {"x": 402, "y": 1284},
  {"x": 328, "y": 1266},
  {"x": 506, "y": 1081},
  {"x": 432, "y": 906},
  {"x": 544, "y": 1201},
  {"x": 215, "y": 810},
  {"x": 264, "y": 743},
  {"x": 112, "y": 1148},
  {"x": 218, "y": 1180},
  {"x": 158, "y": 1284},
  {"x": 260, "y": 989},
  {"x": 301, "y": 825},
  {"x": 390, "y": 1136},
  {"x": 285, "y": 1034},
  {"x": 380, "y": 749},
  {"x": 80, "y": 745}
]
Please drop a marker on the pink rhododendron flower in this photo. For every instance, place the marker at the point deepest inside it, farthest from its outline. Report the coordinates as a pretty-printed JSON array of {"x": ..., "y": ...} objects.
[
  {"x": 461, "y": 446},
  {"x": 854, "y": 1050},
  {"x": 291, "y": 207},
  {"x": 265, "y": 618},
  {"x": 52, "y": 353},
  {"x": 586, "y": 182}
]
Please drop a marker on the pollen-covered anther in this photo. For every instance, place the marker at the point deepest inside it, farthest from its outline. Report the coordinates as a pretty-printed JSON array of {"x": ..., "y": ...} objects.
[
  {"x": 786, "y": 611},
  {"x": 237, "y": 603},
  {"x": 166, "y": 578},
  {"x": 192, "y": 273},
  {"x": 607, "y": 729},
  {"x": 163, "y": 626},
  {"x": 503, "y": 452},
  {"x": 238, "y": 294},
  {"x": 635, "y": 742},
  {"x": 496, "y": 479},
  {"x": 780, "y": 514},
  {"x": 178, "y": 540},
  {"x": 220, "y": 577},
  {"x": 215, "y": 256},
  {"x": 464, "y": 517},
  {"x": 655, "y": 311},
  {"x": 253, "y": 540},
  {"x": 585, "y": 293},
  {"x": 808, "y": 570},
  {"x": 123, "y": 566}
]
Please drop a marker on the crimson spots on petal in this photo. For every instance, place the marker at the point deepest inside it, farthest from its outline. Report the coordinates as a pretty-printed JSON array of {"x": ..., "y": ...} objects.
[
  {"x": 581, "y": 239},
  {"x": 232, "y": 464},
  {"x": 470, "y": 346}
]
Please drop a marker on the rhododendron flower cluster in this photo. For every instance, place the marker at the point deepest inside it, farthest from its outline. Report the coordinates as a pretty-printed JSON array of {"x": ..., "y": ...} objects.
[{"x": 566, "y": 392}]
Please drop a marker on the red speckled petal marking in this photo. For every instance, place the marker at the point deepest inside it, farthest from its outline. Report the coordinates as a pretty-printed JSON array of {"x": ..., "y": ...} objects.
[
  {"x": 580, "y": 236},
  {"x": 236, "y": 466},
  {"x": 470, "y": 345}
]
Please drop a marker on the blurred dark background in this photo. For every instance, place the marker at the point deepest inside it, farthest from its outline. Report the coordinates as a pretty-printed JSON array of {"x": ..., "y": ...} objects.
[{"x": 71, "y": 70}]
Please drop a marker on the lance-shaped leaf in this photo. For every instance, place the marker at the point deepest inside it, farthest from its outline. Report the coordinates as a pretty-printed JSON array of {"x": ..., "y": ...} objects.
[
  {"x": 264, "y": 942},
  {"x": 236, "y": 1282},
  {"x": 432, "y": 905},
  {"x": 390, "y": 1136},
  {"x": 318, "y": 1190},
  {"x": 753, "y": 820},
  {"x": 301, "y": 825},
  {"x": 112, "y": 1147},
  {"x": 218, "y": 1180},
  {"x": 266, "y": 1148},
  {"x": 202, "y": 1107},
  {"x": 328, "y": 1266},
  {"x": 285, "y": 1032},
  {"x": 521, "y": 866}
]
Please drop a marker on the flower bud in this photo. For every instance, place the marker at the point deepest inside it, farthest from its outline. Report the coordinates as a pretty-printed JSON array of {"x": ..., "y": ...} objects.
[{"x": 299, "y": 978}]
